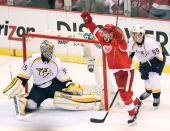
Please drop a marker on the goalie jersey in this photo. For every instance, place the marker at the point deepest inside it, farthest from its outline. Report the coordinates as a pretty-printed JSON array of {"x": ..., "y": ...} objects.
[
  {"x": 149, "y": 49},
  {"x": 43, "y": 72}
]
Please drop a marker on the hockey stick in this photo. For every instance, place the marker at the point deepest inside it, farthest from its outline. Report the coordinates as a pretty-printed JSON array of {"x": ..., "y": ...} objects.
[
  {"x": 94, "y": 120},
  {"x": 117, "y": 16},
  {"x": 16, "y": 106},
  {"x": 15, "y": 101}
]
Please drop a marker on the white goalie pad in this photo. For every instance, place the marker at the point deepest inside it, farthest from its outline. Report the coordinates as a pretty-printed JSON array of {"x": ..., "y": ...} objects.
[
  {"x": 21, "y": 103},
  {"x": 77, "y": 102},
  {"x": 14, "y": 88}
]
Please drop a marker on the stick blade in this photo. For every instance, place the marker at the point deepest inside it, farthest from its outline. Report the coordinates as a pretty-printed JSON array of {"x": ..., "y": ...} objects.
[{"x": 97, "y": 120}]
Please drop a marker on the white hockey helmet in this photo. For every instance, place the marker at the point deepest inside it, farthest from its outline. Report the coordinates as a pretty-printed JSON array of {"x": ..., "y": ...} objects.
[
  {"x": 138, "y": 29},
  {"x": 47, "y": 49}
]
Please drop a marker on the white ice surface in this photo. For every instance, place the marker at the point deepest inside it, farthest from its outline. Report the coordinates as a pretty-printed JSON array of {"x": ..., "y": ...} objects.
[{"x": 49, "y": 118}]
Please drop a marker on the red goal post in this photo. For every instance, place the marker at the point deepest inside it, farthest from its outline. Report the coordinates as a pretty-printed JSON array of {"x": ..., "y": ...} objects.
[{"x": 47, "y": 36}]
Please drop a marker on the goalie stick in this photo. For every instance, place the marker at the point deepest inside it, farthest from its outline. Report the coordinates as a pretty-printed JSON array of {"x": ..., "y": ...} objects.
[
  {"x": 15, "y": 100},
  {"x": 16, "y": 106},
  {"x": 95, "y": 120}
]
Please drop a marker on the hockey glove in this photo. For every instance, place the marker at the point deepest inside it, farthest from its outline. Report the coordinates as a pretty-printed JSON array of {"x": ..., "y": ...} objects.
[
  {"x": 157, "y": 65},
  {"x": 73, "y": 89},
  {"x": 144, "y": 67},
  {"x": 86, "y": 17}
]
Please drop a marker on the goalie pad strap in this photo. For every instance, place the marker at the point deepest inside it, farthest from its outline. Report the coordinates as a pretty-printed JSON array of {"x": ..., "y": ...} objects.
[{"x": 76, "y": 102}]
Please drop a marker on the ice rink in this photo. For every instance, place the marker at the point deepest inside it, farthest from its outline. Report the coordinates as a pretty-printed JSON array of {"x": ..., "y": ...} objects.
[{"x": 50, "y": 118}]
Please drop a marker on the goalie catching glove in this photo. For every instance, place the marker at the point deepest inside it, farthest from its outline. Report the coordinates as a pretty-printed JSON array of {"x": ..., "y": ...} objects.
[
  {"x": 14, "y": 88},
  {"x": 73, "y": 89}
]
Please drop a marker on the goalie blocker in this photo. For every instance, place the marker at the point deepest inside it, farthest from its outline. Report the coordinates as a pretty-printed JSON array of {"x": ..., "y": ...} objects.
[{"x": 14, "y": 88}]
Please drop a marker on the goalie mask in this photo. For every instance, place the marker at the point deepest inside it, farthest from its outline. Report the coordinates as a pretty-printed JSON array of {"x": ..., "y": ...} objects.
[{"x": 47, "y": 49}]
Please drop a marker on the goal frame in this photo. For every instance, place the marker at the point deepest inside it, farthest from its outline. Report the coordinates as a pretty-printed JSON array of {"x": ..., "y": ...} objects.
[{"x": 69, "y": 39}]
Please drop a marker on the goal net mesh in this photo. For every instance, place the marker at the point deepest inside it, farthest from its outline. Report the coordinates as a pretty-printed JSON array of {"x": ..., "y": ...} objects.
[{"x": 83, "y": 59}]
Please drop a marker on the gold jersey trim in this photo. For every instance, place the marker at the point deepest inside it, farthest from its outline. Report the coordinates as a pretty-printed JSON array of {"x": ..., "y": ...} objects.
[
  {"x": 66, "y": 79},
  {"x": 156, "y": 91},
  {"x": 23, "y": 76}
]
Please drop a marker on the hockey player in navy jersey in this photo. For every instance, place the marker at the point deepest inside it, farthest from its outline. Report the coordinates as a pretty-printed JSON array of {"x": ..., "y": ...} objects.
[{"x": 152, "y": 61}]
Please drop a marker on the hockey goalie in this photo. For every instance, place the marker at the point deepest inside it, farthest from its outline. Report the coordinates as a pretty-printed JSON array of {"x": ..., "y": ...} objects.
[{"x": 50, "y": 80}]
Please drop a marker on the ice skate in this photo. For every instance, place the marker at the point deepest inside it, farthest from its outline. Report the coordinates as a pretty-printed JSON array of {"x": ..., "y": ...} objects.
[
  {"x": 156, "y": 103},
  {"x": 144, "y": 95},
  {"x": 132, "y": 120},
  {"x": 137, "y": 107}
]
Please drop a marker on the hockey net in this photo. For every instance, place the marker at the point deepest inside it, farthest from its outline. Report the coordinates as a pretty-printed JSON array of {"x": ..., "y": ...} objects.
[{"x": 78, "y": 55}]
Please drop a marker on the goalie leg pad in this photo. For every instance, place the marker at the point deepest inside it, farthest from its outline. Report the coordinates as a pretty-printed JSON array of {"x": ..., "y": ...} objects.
[
  {"x": 76, "y": 102},
  {"x": 21, "y": 103},
  {"x": 14, "y": 88}
]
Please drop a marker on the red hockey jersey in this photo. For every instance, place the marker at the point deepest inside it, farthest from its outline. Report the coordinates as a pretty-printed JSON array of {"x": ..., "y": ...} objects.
[{"x": 116, "y": 55}]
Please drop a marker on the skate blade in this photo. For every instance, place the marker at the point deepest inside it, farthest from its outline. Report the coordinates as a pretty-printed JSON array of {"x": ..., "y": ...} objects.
[{"x": 132, "y": 124}]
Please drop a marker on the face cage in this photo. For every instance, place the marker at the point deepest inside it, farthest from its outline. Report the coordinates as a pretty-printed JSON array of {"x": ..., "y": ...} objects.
[{"x": 47, "y": 52}]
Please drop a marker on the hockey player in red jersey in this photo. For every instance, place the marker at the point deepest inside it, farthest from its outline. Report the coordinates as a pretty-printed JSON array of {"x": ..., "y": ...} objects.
[{"x": 119, "y": 62}]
